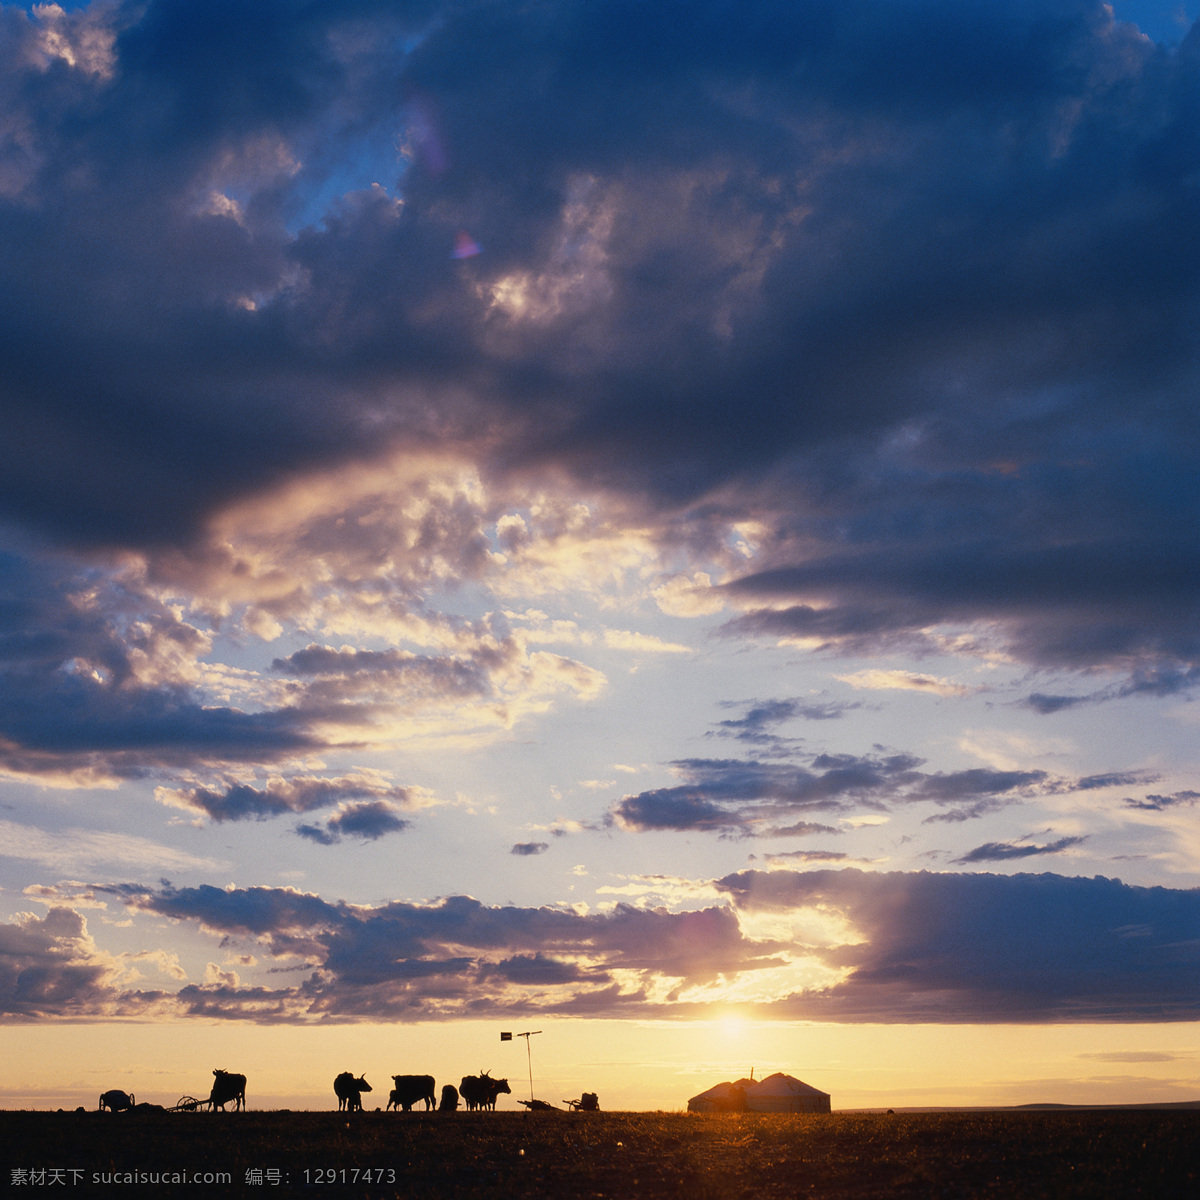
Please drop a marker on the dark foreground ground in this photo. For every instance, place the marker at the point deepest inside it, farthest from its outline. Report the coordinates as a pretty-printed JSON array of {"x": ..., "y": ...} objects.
[{"x": 579, "y": 1156}]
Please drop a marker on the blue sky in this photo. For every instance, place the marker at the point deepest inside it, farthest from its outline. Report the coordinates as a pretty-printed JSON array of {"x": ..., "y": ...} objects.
[{"x": 600, "y": 512}]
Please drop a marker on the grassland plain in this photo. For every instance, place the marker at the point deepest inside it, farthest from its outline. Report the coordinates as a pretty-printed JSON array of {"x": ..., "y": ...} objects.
[{"x": 1058, "y": 1155}]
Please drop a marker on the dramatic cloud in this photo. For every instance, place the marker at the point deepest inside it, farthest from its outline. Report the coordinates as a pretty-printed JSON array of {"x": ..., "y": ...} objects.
[
  {"x": 829, "y": 944},
  {"x": 103, "y": 680},
  {"x": 455, "y": 957},
  {"x": 982, "y": 420},
  {"x": 99, "y": 683},
  {"x": 993, "y": 947}
]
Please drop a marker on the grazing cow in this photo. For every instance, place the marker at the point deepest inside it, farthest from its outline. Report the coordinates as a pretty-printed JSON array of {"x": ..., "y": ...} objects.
[
  {"x": 409, "y": 1089},
  {"x": 473, "y": 1091},
  {"x": 116, "y": 1101},
  {"x": 349, "y": 1091},
  {"x": 227, "y": 1087},
  {"x": 480, "y": 1091},
  {"x": 449, "y": 1099}
]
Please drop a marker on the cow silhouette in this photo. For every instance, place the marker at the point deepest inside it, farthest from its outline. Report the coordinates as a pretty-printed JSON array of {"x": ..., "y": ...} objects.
[
  {"x": 449, "y": 1099},
  {"x": 349, "y": 1091},
  {"x": 116, "y": 1101},
  {"x": 409, "y": 1089},
  {"x": 227, "y": 1087},
  {"x": 480, "y": 1091}
]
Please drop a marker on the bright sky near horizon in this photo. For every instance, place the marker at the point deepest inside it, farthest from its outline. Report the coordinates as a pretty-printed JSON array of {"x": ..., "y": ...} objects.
[{"x": 670, "y": 524}]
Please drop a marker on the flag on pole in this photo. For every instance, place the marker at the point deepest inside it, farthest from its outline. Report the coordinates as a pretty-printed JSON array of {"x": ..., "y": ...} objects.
[{"x": 506, "y": 1037}]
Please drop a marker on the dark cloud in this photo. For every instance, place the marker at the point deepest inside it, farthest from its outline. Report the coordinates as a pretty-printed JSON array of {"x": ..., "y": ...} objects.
[
  {"x": 101, "y": 679},
  {"x": 976, "y": 781},
  {"x": 1003, "y": 851},
  {"x": 975, "y": 948},
  {"x": 818, "y": 282},
  {"x": 1115, "y": 779},
  {"x": 966, "y": 812},
  {"x": 982, "y": 948},
  {"x": 755, "y": 799},
  {"x": 1042, "y": 595},
  {"x": 531, "y": 970},
  {"x": 1145, "y": 680},
  {"x": 1155, "y": 803},
  {"x": 455, "y": 957},
  {"x": 761, "y": 718},
  {"x": 368, "y": 820},
  {"x": 297, "y": 794},
  {"x": 417, "y": 674},
  {"x": 525, "y": 849},
  {"x": 679, "y": 808},
  {"x": 94, "y": 682},
  {"x": 1043, "y": 703}
]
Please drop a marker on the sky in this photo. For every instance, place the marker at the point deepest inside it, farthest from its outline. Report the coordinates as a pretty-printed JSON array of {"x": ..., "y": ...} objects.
[{"x": 673, "y": 526}]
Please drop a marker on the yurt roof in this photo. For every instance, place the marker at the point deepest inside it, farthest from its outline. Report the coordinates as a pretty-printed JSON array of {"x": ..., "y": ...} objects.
[
  {"x": 780, "y": 1084},
  {"x": 720, "y": 1091}
]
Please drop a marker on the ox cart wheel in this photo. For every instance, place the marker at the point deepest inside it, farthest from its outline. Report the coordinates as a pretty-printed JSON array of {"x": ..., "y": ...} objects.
[{"x": 189, "y": 1104}]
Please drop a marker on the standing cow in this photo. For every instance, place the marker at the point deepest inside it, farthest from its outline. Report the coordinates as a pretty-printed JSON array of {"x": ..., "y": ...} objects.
[
  {"x": 349, "y": 1091},
  {"x": 227, "y": 1087},
  {"x": 480, "y": 1091},
  {"x": 116, "y": 1100},
  {"x": 409, "y": 1089}
]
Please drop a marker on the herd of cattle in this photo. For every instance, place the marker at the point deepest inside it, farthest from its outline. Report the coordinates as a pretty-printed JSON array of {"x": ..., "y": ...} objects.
[{"x": 475, "y": 1091}]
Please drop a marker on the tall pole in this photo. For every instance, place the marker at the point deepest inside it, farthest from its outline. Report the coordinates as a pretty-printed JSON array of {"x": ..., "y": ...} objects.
[{"x": 529, "y": 1056}]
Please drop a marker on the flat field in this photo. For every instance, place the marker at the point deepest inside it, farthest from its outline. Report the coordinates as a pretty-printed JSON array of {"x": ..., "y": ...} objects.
[{"x": 1012, "y": 1155}]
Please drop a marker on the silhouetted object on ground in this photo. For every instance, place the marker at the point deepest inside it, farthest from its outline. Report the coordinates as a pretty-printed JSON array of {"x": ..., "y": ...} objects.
[
  {"x": 776, "y": 1093},
  {"x": 147, "y": 1107},
  {"x": 349, "y": 1091},
  {"x": 411, "y": 1088},
  {"x": 227, "y": 1087},
  {"x": 724, "y": 1097},
  {"x": 116, "y": 1101},
  {"x": 190, "y": 1104},
  {"x": 480, "y": 1091},
  {"x": 588, "y": 1102},
  {"x": 539, "y": 1106},
  {"x": 449, "y": 1098}
]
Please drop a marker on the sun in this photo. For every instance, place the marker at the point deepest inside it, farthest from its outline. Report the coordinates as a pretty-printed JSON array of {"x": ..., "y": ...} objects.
[{"x": 733, "y": 1027}]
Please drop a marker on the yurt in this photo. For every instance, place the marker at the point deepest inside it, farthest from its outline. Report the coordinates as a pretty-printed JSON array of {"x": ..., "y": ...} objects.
[
  {"x": 724, "y": 1097},
  {"x": 785, "y": 1093}
]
